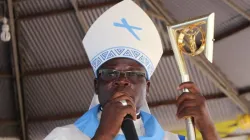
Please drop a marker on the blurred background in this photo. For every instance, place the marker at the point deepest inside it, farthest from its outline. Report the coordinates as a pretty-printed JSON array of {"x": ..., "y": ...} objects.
[{"x": 46, "y": 80}]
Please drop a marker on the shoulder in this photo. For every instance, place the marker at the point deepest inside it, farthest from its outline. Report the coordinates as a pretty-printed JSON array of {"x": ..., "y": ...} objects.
[
  {"x": 172, "y": 136},
  {"x": 67, "y": 132}
]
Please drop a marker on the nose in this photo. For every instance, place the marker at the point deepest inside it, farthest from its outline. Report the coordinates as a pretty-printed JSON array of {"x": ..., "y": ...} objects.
[{"x": 122, "y": 81}]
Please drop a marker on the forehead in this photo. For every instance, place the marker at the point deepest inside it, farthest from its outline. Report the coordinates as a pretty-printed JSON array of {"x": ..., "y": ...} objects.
[{"x": 123, "y": 64}]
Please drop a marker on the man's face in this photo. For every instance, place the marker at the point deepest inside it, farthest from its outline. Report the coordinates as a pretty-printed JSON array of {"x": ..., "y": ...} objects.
[{"x": 133, "y": 84}]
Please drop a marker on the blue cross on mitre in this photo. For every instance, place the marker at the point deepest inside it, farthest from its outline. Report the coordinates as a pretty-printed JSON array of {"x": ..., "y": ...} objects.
[{"x": 130, "y": 28}]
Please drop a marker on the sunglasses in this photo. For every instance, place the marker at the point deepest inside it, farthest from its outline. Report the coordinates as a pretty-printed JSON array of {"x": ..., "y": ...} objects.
[{"x": 111, "y": 75}]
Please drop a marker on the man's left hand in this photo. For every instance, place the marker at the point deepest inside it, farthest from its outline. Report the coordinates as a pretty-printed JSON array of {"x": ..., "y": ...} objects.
[{"x": 193, "y": 104}]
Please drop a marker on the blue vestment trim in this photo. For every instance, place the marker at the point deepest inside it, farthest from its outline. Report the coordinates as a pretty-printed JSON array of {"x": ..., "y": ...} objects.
[{"x": 89, "y": 123}]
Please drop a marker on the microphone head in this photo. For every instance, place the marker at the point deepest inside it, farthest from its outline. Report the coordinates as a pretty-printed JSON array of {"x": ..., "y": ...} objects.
[
  {"x": 128, "y": 117},
  {"x": 128, "y": 128}
]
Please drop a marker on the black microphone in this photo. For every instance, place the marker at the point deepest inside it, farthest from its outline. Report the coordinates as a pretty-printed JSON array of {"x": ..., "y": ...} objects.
[{"x": 128, "y": 128}]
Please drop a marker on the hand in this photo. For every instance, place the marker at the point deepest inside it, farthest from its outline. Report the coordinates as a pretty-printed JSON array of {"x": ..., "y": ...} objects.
[
  {"x": 193, "y": 104},
  {"x": 113, "y": 114}
]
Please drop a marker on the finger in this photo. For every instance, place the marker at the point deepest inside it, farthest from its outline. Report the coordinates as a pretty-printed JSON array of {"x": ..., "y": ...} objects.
[
  {"x": 190, "y": 86},
  {"x": 117, "y": 94},
  {"x": 186, "y": 104},
  {"x": 185, "y": 96},
  {"x": 189, "y": 112},
  {"x": 128, "y": 102},
  {"x": 119, "y": 98},
  {"x": 123, "y": 97}
]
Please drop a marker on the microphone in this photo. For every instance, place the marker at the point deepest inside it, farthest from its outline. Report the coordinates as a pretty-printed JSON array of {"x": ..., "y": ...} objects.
[{"x": 128, "y": 128}]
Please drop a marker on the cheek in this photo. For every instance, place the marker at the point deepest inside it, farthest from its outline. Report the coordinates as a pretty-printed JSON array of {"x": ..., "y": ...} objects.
[
  {"x": 104, "y": 92},
  {"x": 140, "y": 92},
  {"x": 105, "y": 87}
]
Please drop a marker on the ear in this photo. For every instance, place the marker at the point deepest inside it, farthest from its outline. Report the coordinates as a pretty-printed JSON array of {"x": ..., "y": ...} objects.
[
  {"x": 148, "y": 86},
  {"x": 96, "y": 85}
]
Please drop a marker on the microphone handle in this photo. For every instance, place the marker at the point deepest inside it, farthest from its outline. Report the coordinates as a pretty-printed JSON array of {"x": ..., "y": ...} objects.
[{"x": 128, "y": 128}]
